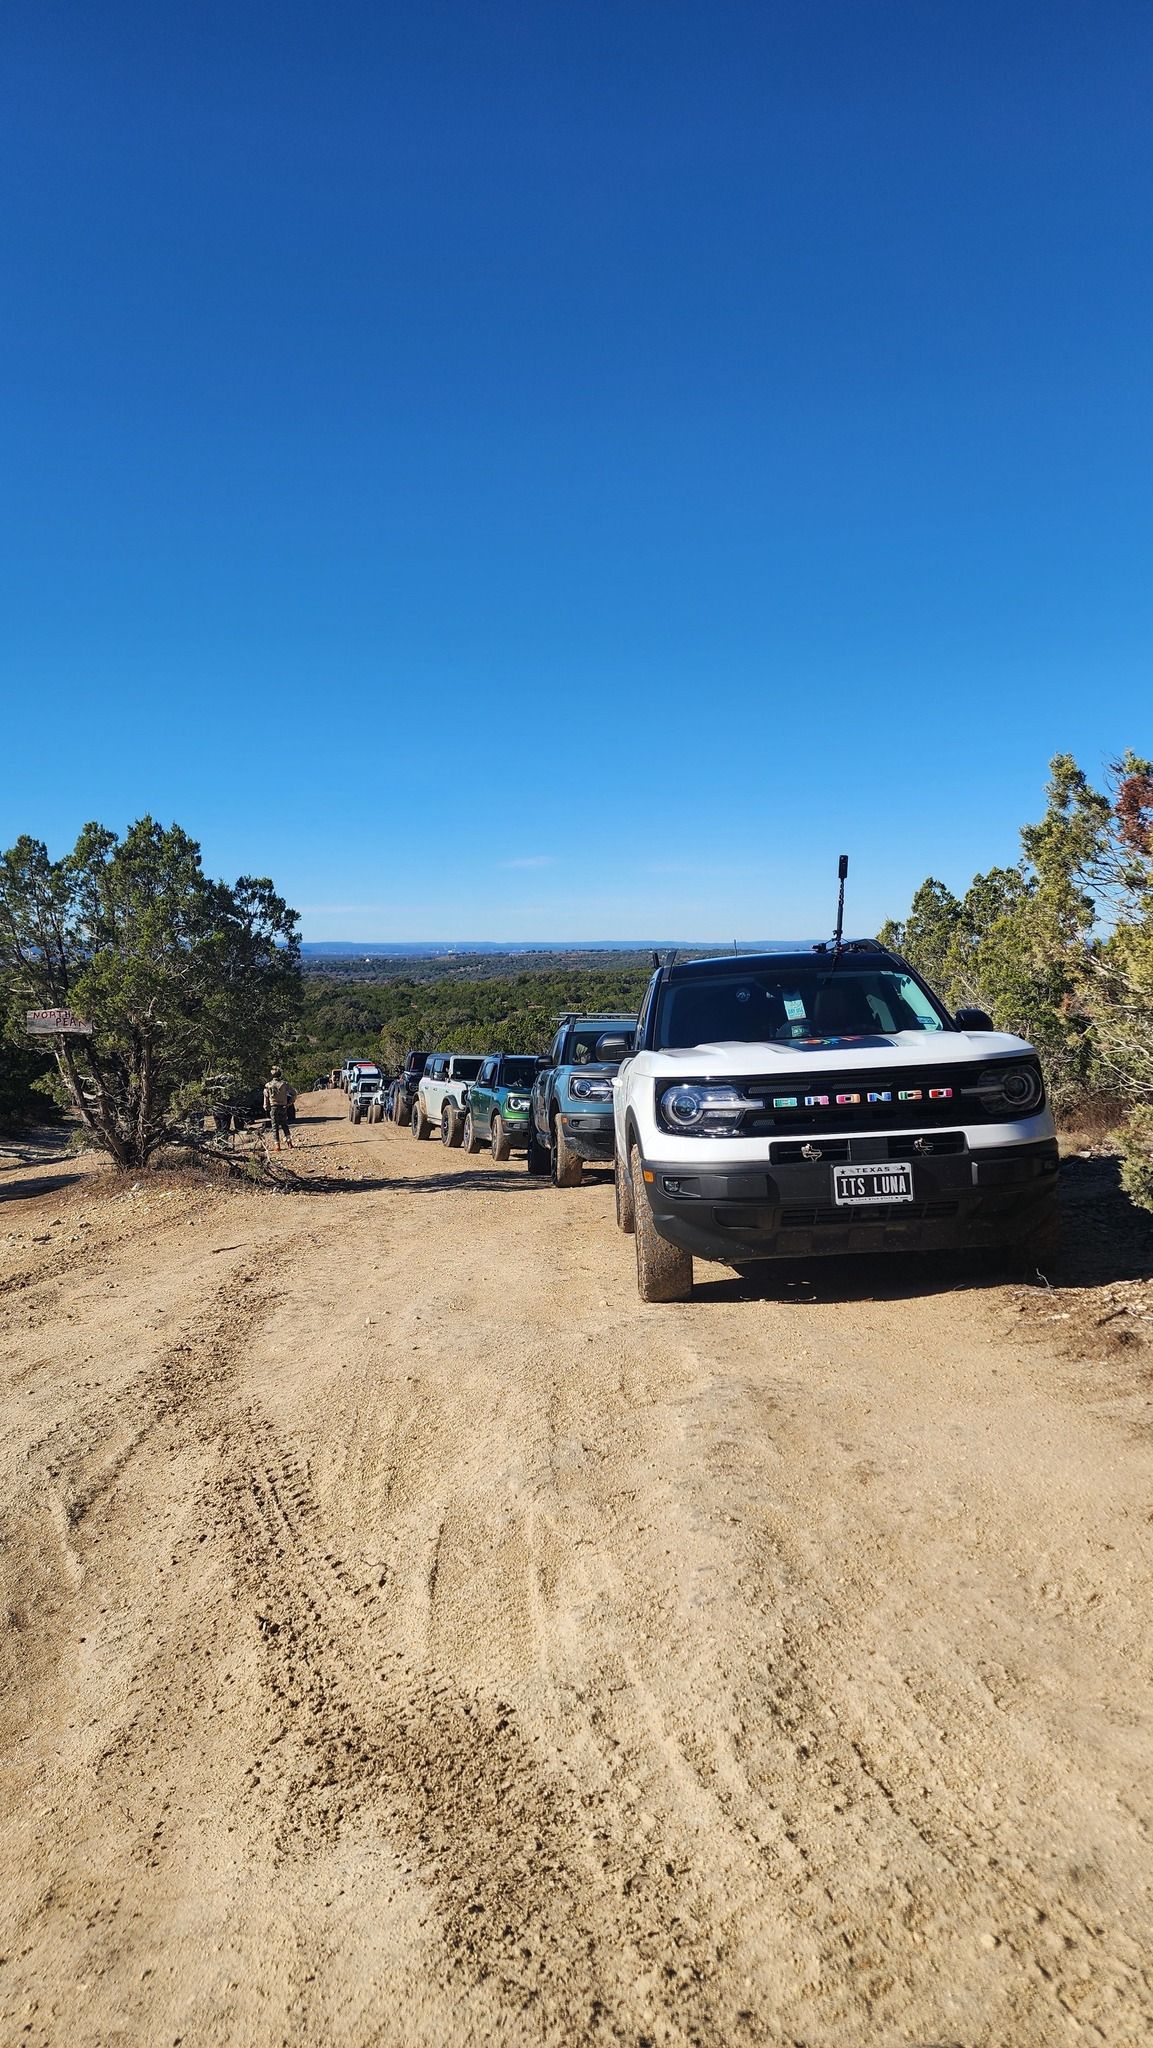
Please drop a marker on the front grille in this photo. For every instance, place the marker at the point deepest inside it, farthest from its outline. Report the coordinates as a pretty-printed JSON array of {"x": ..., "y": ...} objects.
[
  {"x": 838, "y": 1151},
  {"x": 779, "y": 1093},
  {"x": 794, "y": 1217},
  {"x": 824, "y": 1216}
]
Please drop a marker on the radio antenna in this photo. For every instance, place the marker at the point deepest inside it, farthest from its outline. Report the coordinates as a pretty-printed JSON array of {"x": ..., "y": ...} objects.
[{"x": 842, "y": 871}]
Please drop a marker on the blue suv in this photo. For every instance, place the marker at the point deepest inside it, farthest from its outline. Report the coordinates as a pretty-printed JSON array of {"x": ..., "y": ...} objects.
[{"x": 571, "y": 1113}]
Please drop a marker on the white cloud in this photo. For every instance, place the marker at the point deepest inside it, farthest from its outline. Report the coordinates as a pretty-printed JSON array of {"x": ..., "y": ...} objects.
[{"x": 530, "y": 860}]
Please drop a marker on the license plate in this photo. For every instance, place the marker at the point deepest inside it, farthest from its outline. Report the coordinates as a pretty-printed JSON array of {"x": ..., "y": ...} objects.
[{"x": 854, "y": 1186}]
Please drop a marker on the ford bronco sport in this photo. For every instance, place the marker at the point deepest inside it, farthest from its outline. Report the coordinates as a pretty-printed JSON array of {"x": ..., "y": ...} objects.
[
  {"x": 441, "y": 1093},
  {"x": 402, "y": 1092},
  {"x": 497, "y": 1109},
  {"x": 571, "y": 1118},
  {"x": 791, "y": 1104}
]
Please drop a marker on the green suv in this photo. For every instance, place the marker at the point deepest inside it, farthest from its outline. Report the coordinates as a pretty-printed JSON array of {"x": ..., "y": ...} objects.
[{"x": 496, "y": 1111}]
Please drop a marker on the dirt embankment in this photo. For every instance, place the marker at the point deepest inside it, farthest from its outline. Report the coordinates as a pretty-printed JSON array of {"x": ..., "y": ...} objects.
[{"x": 410, "y": 1639}]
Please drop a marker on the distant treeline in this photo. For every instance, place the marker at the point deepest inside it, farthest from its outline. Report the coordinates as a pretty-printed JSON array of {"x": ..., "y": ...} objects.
[
  {"x": 470, "y": 967},
  {"x": 453, "y": 1013}
]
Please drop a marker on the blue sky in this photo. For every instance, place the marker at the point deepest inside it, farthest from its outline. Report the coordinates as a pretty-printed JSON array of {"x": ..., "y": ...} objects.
[{"x": 570, "y": 469}]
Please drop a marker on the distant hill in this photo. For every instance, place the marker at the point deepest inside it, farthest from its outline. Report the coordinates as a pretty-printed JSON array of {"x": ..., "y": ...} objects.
[
  {"x": 330, "y": 960},
  {"x": 424, "y": 949}
]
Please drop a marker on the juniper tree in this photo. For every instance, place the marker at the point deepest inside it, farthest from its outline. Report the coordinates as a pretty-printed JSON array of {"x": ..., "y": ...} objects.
[{"x": 180, "y": 976}]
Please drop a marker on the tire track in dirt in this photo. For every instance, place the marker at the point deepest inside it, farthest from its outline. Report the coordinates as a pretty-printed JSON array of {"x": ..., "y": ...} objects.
[
  {"x": 71, "y": 1475},
  {"x": 502, "y": 1837}
]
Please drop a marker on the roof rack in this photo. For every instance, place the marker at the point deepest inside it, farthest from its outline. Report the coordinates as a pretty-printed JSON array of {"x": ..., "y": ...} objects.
[
  {"x": 850, "y": 946},
  {"x": 591, "y": 1016}
]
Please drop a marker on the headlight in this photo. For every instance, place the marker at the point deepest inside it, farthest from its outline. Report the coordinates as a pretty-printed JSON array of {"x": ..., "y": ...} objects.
[
  {"x": 703, "y": 1109},
  {"x": 1010, "y": 1091},
  {"x": 591, "y": 1087},
  {"x": 518, "y": 1102}
]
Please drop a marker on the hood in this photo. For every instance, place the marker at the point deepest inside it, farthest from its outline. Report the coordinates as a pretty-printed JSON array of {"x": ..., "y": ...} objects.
[{"x": 894, "y": 1050}]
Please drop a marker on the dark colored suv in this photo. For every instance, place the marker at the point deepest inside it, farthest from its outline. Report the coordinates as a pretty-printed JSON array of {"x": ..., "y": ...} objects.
[{"x": 402, "y": 1093}]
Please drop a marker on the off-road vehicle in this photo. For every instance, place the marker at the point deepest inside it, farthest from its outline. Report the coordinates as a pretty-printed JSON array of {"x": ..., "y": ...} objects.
[
  {"x": 402, "y": 1092},
  {"x": 351, "y": 1068},
  {"x": 496, "y": 1112},
  {"x": 374, "y": 1106},
  {"x": 363, "y": 1086},
  {"x": 571, "y": 1118},
  {"x": 442, "y": 1087},
  {"x": 793, "y": 1104}
]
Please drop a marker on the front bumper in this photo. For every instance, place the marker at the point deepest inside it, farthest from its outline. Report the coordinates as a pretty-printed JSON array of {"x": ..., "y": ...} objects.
[
  {"x": 972, "y": 1199},
  {"x": 589, "y": 1133},
  {"x": 515, "y": 1129}
]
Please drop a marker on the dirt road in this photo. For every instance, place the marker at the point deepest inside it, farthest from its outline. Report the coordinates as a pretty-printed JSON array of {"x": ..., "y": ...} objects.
[{"x": 413, "y": 1640}]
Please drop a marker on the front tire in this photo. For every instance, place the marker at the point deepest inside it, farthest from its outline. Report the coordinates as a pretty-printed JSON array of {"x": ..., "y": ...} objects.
[
  {"x": 567, "y": 1165},
  {"x": 664, "y": 1271},
  {"x": 421, "y": 1128},
  {"x": 354, "y": 1113},
  {"x": 501, "y": 1142},
  {"x": 470, "y": 1140},
  {"x": 450, "y": 1132},
  {"x": 625, "y": 1199}
]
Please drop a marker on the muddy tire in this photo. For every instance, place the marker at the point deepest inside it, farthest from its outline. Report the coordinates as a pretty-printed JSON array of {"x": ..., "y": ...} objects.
[
  {"x": 567, "y": 1165},
  {"x": 420, "y": 1126},
  {"x": 469, "y": 1139},
  {"x": 626, "y": 1201},
  {"x": 537, "y": 1157},
  {"x": 398, "y": 1115},
  {"x": 450, "y": 1125},
  {"x": 664, "y": 1271},
  {"x": 501, "y": 1142}
]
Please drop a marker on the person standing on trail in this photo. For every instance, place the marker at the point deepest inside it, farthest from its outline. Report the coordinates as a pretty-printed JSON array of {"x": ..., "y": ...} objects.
[{"x": 276, "y": 1105}]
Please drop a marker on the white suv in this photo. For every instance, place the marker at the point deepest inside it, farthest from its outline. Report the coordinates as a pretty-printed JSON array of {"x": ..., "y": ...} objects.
[
  {"x": 443, "y": 1091},
  {"x": 789, "y": 1104}
]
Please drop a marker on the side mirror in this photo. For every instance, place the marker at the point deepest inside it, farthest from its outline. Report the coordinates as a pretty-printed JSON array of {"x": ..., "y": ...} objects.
[
  {"x": 970, "y": 1019},
  {"x": 611, "y": 1046}
]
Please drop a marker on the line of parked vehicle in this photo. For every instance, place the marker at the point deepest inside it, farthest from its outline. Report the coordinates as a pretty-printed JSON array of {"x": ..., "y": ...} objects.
[
  {"x": 557, "y": 1110},
  {"x": 773, "y": 1106}
]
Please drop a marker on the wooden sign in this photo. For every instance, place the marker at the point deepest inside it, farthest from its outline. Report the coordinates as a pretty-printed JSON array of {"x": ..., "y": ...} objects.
[{"x": 57, "y": 1024}]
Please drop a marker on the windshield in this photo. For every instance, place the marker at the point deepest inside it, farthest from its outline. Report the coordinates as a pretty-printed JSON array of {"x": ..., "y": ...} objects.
[
  {"x": 515, "y": 1073},
  {"x": 799, "y": 1006},
  {"x": 465, "y": 1070}
]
